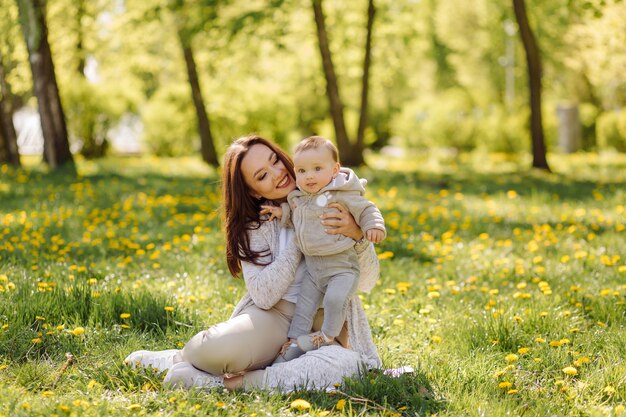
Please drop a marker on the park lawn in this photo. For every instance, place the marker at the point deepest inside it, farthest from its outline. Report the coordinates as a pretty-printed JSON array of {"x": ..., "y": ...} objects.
[{"x": 504, "y": 288}]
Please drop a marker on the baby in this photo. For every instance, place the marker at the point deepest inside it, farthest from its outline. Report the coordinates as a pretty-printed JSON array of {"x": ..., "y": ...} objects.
[{"x": 331, "y": 260}]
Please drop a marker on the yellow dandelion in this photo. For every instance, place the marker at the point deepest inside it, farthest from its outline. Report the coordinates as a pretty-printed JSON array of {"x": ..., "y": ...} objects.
[
  {"x": 609, "y": 390},
  {"x": 555, "y": 343},
  {"x": 385, "y": 255},
  {"x": 36, "y": 341},
  {"x": 505, "y": 385},
  {"x": 499, "y": 373},
  {"x": 512, "y": 391},
  {"x": 511, "y": 357},
  {"x": 125, "y": 315},
  {"x": 78, "y": 331},
  {"x": 619, "y": 409},
  {"x": 134, "y": 407},
  {"x": 523, "y": 350},
  {"x": 300, "y": 404},
  {"x": 570, "y": 370},
  {"x": 341, "y": 404},
  {"x": 168, "y": 308},
  {"x": 47, "y": 394},
  {"x": 436, "y": 339}
]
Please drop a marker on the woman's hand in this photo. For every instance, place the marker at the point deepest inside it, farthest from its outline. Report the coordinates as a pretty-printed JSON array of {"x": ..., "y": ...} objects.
[{"x": 341, "y": 222}]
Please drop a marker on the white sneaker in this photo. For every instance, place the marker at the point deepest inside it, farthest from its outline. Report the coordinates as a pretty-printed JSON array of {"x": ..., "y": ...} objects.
[
  {"x": 161, "y": 360},
  {"x": 185, "y": 375}
]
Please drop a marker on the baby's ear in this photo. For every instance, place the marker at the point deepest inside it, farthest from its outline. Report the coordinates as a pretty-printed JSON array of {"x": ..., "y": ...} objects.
[{"x": 336, "y": 170}]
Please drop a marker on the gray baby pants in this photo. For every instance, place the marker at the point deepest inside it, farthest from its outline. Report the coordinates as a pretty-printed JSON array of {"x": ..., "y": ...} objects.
[{"x": 333, "y": 278}]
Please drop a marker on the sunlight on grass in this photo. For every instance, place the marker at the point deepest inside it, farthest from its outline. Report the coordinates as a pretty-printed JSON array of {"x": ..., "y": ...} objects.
[{"x": 504, "y": 288}]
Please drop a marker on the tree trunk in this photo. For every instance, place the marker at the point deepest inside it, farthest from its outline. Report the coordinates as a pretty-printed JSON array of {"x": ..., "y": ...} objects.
[
  {"x": 207, "y": 146},
  {"x": 56, "y": 144},
  {"x": 533, "y": 60},
  {"x": 346, "y": 153},
  {"x": 80, "y": 47},
  {"x": 367, "y": 60},
  {"x": 8, "y": 138}
]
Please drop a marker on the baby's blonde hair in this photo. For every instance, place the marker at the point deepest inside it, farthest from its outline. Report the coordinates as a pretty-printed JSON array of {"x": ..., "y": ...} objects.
[{"x": 315, "y": 142}]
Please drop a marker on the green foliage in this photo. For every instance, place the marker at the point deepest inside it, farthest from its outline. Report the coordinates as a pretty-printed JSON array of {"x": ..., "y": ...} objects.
[
  {"x": 13, "y": 51},
  {"x": 611, "y": 130},
  {"x": 91, "y": 111},
  {"x": 260, "y": 69},
  {"x": 169, "y": 122},
  {"x": 454, "y": 122}
]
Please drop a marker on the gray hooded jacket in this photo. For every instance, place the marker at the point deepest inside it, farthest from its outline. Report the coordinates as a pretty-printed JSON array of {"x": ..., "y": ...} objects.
[{"x": 303, "y": 211}]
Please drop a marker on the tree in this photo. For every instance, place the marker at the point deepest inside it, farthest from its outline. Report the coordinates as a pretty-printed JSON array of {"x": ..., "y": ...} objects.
[
  {"x": 350, "y": 153},
  {"x": 8, "y": 138},
  {"x": 533, "y": 61},
  {"x": 56, "y": 144},
  {"x": 186, "y": 31}
]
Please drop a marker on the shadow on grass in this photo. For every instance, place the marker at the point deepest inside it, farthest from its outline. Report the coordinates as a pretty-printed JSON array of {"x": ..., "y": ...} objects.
[
  {"x": 409, "y": 393},
  {"x": 44, "y": 324}
]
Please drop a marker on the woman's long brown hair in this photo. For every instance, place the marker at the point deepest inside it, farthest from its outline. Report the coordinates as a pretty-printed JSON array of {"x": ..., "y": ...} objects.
[{"x": 241, "y": 210}]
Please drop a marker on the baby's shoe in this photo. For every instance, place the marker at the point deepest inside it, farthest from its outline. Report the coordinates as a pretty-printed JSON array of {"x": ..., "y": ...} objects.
[
  {"x": 161, "y": 360},
  {"x": 185, "y": 375},
  {"x": 289, "y": 351},
  {"x": 314, "y": 341}
]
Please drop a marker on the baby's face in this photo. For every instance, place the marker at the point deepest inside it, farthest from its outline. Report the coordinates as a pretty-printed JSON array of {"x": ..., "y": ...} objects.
[{"x": 315, "y": 168}]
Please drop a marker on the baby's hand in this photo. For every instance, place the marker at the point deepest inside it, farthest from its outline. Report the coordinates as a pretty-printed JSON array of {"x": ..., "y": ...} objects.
[
  {"x": 375, "y": 235},
  {"x": 273, "y": 211}
]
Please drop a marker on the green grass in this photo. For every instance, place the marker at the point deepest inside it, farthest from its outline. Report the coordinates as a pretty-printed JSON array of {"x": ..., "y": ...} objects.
[{"x": 494, "y": 280}]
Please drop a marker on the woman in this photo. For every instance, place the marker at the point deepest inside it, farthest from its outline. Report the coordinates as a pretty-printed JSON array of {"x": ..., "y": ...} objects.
[{"x": 237, "y": 353}]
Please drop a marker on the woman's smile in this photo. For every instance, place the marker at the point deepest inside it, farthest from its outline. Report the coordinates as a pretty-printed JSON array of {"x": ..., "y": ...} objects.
[{"x": 284, "y": 182}]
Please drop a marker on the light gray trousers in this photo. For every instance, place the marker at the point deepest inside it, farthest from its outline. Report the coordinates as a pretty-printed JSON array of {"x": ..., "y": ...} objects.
[{"x": 333, "y": 278}]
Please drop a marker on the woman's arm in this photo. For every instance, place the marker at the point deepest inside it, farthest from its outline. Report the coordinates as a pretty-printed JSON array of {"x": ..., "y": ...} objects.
[{"x": 267, "y": 284}]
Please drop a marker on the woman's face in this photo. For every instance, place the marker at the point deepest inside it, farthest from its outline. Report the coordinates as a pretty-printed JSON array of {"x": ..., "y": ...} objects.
[{"x": 265, "y": 174}]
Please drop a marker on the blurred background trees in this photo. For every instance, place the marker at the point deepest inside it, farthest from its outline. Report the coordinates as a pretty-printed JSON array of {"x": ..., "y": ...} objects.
[{"x": 174, "y": 77}]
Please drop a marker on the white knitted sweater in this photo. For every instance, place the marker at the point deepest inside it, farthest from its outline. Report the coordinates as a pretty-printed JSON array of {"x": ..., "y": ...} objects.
[{"x": 266, "y": 285}]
